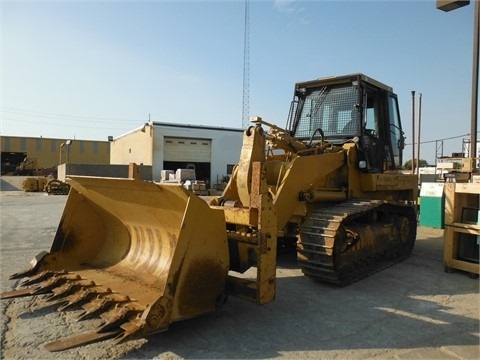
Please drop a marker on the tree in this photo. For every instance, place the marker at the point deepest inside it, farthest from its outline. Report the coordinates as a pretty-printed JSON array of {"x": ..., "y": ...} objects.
[{"x": 420, "y": 163}]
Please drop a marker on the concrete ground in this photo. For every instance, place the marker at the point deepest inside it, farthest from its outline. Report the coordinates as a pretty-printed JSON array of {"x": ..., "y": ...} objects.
[{"x": 413, "y": 310}]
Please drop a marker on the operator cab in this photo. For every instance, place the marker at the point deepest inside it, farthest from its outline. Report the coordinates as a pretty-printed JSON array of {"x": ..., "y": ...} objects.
[{"x": 350, "y": 108}]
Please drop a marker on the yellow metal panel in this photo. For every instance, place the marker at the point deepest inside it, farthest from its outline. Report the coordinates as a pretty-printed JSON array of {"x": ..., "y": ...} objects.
[
  {"x": 299, "y": 175},
  {"x": 386, "y": 181}
]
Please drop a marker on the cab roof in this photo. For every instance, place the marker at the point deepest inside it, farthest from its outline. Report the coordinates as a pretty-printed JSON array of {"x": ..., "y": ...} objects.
[{"x": 333, "y": 80}]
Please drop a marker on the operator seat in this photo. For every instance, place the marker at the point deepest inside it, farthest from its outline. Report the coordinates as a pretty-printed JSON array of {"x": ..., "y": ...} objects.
[{"x": 352, "y": 126}]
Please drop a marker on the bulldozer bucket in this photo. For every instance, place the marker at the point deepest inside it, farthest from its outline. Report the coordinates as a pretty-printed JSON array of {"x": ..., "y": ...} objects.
[{"x": 137, "y": 254}]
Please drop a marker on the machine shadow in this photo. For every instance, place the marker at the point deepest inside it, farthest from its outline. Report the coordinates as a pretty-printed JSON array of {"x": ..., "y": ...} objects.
[{"x": 402, "y": 307}]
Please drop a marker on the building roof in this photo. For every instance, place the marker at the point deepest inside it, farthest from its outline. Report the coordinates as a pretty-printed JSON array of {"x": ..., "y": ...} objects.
[{"x": 190, "y": 126}]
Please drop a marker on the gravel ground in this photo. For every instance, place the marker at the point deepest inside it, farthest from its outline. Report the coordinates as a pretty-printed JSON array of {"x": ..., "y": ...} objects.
[{"x": 413, "y": 310}]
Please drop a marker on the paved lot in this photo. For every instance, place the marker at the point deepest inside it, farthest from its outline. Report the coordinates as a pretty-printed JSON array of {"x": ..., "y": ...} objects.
[{"x": 413, "y": 310}]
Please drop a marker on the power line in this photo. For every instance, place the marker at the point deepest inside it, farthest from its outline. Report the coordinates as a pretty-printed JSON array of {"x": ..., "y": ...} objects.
[
  {"x": 38, "y": 114},
  {"x": 65, "y": 125},
  {"x": 448, "y": 138}
]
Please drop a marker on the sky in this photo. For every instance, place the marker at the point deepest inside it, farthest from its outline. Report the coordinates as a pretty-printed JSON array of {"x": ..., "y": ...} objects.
[{"x": 93, "y": 69}]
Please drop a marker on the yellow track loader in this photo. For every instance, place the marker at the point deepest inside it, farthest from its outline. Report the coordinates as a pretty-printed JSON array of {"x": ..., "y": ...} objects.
[{"x": 141, "y": 255}]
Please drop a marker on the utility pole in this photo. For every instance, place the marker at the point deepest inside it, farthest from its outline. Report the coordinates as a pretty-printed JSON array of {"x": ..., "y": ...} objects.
[
  {"x": 449, "y": 5},
  {"x": 413, "y": 132},
  {"x": 419, "y": 128},
  {"x": 246, "y": 70}
]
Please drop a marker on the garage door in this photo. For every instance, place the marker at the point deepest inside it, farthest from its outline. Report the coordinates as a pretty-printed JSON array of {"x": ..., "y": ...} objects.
[{"x": 187, "y": 149}]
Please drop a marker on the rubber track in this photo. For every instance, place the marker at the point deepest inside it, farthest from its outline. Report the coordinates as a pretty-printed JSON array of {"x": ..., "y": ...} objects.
[{"x": 316, "y": 250}]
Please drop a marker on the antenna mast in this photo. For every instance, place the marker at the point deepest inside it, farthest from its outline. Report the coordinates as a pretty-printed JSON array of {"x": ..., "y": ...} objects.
[{"x": 246, "y": 71}]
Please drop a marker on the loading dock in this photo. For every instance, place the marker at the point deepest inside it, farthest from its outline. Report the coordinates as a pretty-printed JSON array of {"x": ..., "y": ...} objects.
[
  {"x": 188, "y": 153},
  {"x": 212, "y": 151}
]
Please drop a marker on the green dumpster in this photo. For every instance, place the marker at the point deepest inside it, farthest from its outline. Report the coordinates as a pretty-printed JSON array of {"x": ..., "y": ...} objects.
[{"x": 432, "y": 205}]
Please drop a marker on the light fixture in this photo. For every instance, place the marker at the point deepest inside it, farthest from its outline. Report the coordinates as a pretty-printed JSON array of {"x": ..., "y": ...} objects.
[{"x": 449, "y": 5}]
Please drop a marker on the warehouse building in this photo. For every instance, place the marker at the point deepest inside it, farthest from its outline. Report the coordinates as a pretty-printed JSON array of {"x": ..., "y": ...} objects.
[
  {"x": 48, "y": 153},
  {"x": 211, "y": 151}
]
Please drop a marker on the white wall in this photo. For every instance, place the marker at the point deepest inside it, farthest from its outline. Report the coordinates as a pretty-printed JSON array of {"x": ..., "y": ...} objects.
[{"x": 226, "y": 146}]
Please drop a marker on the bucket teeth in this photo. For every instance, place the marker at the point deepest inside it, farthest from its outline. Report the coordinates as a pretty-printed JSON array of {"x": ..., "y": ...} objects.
[
  {"x": 100, "y": 305},
  {"x": 95, "y": 307},
  {"x": 22, "y": 274},
  {"x": 41, "y": 276},
  {"x": 64, "y": 290},
  {"x": 80, "y": 340},
  {"x": 49, "y": 285},
  {"x": 47, "y": 281},
  {"x": 80, "y": 297},
  {"x": 17, "y": 293},
  {"x": 116, "y": 316},
  {"x": 133, "y": 329}
]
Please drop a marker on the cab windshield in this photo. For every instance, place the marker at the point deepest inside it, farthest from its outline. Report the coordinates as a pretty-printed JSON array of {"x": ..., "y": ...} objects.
[{"x": 332, "y": 109}]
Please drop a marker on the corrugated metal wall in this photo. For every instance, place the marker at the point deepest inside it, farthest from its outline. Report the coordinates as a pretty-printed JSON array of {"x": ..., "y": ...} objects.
[{"x": 187, "y": 149}]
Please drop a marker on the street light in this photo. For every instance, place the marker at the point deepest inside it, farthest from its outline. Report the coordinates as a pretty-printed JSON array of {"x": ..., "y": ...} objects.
[
  {"x": 448, "y": 5},
  {"x": 60, "y": 159},
  {"x": 68, "y": 143}
]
